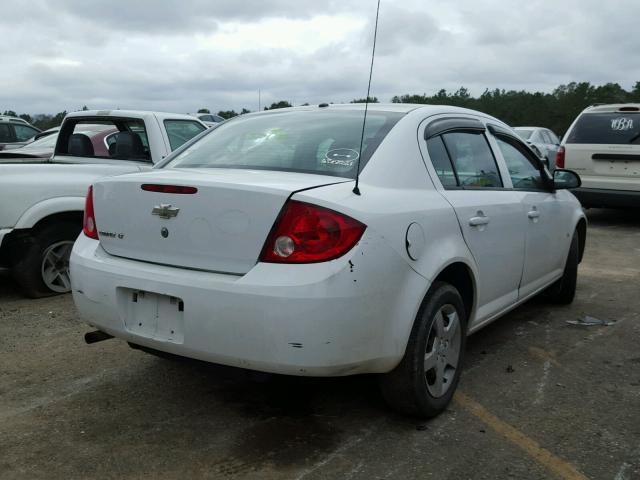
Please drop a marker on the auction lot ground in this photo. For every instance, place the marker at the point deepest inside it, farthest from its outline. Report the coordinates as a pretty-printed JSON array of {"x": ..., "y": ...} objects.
[{"x": 539, "y": 398}]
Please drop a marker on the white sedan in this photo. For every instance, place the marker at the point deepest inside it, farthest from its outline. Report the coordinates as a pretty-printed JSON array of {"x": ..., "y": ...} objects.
[{"x": 249, "y": 246}]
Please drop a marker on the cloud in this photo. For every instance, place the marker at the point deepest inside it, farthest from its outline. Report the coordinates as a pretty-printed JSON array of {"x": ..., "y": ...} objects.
[{"x": 184, "y": 55}]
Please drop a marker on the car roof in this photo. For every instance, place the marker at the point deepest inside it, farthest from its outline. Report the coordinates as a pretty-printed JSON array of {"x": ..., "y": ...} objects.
[
  {"x": 7, "y": 118},
  {"x": 378, "y": 107},
  {"x": 130, "y": 114},
  {"x": 613, "y": 107}
]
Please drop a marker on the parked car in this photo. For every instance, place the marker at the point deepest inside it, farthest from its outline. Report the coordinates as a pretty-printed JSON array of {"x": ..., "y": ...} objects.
[
  {"x": 603, "y": 145},
  {"x": 15, "y": 131},
  {"x": 42, "y": 203},
  {"x": 209, "y": 119},
  {"x": 42, "y": 149},
  {"x": 542, "y": 141},
  {"x": 252, "y": 247}
]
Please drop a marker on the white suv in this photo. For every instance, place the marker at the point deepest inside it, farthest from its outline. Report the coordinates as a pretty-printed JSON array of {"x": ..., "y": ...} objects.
[{"x": 603, "y": 146}]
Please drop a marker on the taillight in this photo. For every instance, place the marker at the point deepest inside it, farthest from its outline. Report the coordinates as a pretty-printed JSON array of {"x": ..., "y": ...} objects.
[
  {"x": 306, "y": 233},
  {"x": 560, "y": 157},
  {"x": 90, "y": 228},
  {"x": 150, "y": 187}
]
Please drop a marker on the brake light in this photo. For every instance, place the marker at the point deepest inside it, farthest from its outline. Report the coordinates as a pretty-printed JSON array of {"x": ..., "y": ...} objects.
[
  {"x": 560, "y": 157},
  {"x": 306, "y": 233},
  {"x": 89, "y": 228},
  {"x": 150, "y": 187}
]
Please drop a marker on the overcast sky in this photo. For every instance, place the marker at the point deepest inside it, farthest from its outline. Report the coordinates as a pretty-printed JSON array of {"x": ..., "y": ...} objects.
[{"x": 181, "y": 55}]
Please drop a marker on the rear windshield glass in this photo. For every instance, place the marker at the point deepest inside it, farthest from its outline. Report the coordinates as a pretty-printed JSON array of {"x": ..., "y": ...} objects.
[
  {"x": 524, "y": 133},
  {"x": 610, "y": 128},
  {"x": 322, "y": 142}
]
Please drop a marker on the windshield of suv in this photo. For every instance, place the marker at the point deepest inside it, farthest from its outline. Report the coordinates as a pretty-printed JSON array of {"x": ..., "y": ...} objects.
[
  {"x": 608, "y": 128},
  {"x": 322, "y": 142}
]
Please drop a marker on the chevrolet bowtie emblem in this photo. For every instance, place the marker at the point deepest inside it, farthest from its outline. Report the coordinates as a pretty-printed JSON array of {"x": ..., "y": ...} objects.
[{"x": 165, "y": 210}]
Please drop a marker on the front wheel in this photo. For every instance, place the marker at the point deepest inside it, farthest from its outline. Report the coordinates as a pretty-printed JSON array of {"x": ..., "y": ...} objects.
[
  {"x": 43, "y": 268},
  {"x": 425, "y": 380}
]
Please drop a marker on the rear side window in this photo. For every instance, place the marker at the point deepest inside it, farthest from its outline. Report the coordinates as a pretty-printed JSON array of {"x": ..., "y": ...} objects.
[
  {"x": 441, "y": 162},
  {"x": 181, "y": 131},
  {"x": 606, "y": 128},
  {"x": 321, "y": 142},
  {"x": 472, "y": 159},
  {"x": 104, "y": 137},
  {"x": 24, "y": 133},
  {"x": 5, "y": 133}
]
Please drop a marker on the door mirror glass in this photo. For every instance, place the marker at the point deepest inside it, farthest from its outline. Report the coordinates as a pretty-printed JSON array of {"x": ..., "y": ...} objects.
[{"x": 565, "y": 179}]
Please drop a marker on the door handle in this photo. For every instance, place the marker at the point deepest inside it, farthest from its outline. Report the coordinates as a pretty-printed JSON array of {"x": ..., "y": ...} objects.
[
  {"x": 479, "y": 220},
  {"x": 533, "y": 213}
]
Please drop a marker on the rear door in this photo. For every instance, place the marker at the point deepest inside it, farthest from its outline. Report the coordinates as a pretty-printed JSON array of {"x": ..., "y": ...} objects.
[
  {"x": 604, "y": 148},
  {"x": 490, "y": 215}
]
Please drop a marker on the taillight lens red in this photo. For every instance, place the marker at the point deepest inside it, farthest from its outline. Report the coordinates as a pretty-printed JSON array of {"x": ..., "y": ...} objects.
[
  {"x": 560, "y": 157},
  {"x": 90, "y": 228},
  {"x": 306, "y": 233}
]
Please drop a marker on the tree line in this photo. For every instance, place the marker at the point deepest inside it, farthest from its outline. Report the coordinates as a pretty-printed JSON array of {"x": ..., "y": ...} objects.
[{"x": 555, "y": 110}]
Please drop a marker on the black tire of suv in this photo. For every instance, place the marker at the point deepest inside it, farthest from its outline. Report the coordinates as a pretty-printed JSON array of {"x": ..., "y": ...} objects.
[
  {"x": 563, "y": 291},
  {"x": 27, "y": 271},
  {"x": 405, "y": 387}
]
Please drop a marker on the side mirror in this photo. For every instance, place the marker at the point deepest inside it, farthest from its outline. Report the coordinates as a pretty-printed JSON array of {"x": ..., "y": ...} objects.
[{"x": 565, "y": 179}]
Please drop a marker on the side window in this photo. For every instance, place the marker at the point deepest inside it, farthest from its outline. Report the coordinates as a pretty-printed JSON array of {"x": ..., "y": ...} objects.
[
  {"x": 181, "y": 131},
  {"x": 441, "y": 162},
  {"x": 554, "y": 137},
  {"x": 524, "y": 174},
  {"x": 5, "y": 133},
  {"x": 24, "y": 133},
  {"x": 473, "y": 160},
  {"x": 545, "y": 136}
]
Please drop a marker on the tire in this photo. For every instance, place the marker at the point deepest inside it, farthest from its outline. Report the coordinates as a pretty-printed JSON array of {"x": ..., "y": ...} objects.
[
  {"x": 412, "y": 388},
  {"x": 563, "y": 290},
  {"x": 42, "y": 269}
]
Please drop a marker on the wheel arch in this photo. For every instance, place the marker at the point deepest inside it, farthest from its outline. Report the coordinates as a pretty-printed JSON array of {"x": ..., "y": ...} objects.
[
  {"x": 581, "y": 228},
  {"x": 49, "y": 210},
  {"x": 461, "y": 276}
]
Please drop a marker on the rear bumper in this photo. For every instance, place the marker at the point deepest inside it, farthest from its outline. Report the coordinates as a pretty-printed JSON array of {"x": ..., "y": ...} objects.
[
  {"x": 328, "y": 319},
  {"x": 598, "y": 197}
]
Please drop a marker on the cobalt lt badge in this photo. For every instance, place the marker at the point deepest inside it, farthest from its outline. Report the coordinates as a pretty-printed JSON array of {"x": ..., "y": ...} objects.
[{"x": 164, "y": 232}]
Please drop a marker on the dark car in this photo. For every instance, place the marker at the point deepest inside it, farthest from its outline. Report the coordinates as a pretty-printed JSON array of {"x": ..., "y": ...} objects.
[{"x": 15, "y": 131}]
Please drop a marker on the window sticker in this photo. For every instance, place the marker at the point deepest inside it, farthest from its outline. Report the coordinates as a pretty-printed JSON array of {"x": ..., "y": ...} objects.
[
  {"x": 341, "y": 158},
  {"x": 622, "y": 124}
]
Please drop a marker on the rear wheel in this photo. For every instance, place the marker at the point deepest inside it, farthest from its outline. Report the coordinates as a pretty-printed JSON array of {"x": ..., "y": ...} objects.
[
  {"x": 563, "y": 291},
  {"x": 43, "y": 268},
  {"x": 425, "y": 380}
]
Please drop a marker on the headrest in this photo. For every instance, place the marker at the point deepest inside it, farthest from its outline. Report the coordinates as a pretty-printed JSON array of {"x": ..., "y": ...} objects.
[
  {"x": 129, "y": 145},
  {"x": 80, "y": 145}
]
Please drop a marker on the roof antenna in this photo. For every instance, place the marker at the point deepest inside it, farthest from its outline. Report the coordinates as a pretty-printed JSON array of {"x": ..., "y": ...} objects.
[{"x": 356, "y": 190}]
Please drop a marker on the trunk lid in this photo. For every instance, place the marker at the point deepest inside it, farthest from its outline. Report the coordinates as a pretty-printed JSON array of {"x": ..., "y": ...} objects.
[{"x": 222, "y": 227}]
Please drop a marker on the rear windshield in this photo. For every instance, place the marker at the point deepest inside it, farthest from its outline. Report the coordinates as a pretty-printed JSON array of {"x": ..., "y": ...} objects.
[
  {"x": 609, "y": 128},
  {"x": 524, "y": 133},
  {"x": 322, "y": 142}
]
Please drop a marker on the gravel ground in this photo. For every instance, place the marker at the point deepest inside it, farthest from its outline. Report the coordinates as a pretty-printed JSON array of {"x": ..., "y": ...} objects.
[{"x": 539, "y": 398}]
